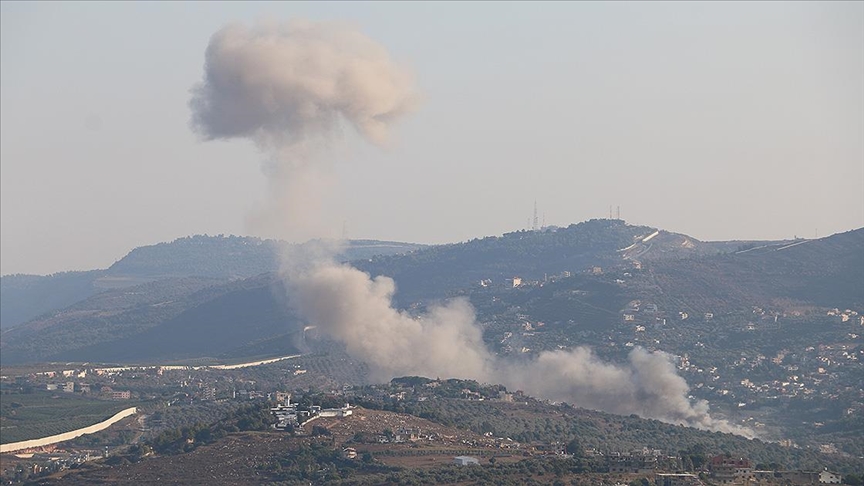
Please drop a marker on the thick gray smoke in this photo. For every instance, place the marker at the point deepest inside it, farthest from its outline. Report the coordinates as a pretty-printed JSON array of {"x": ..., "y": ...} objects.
[
  {"x": 283, "y": 84},
  {"x": 355, "y": 309},
  {"x": 648, "y": 386},
  {"x": 286, "y": 87},
  {"x": 290, "y": 87},
  {"x": 348, "y": 305}
]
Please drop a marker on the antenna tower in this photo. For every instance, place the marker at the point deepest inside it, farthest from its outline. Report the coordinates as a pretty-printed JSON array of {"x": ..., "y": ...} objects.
[
  {"x": 534, "y": 226},
  {"x": 618, "y": 213}
]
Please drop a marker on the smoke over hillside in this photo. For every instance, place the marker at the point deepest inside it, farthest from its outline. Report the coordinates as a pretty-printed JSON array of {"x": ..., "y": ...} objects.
[
  {"x": 351, "y": 307},
  {"x": 286, "y": 87}
]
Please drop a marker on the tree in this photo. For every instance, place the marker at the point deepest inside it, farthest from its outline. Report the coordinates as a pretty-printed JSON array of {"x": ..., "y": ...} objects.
[
  {"x": 853, "y": 480},
  {"x": 575, "y": 447}
]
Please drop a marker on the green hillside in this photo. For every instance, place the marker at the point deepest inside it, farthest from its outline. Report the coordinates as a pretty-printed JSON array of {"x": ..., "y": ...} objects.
[{"x": 25, "y": 297}]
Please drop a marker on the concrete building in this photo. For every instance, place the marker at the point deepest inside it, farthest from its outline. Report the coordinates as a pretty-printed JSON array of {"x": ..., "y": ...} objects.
[
  {"x": 727, "y": 469},
  {"x": 466, "y": 461},
  {"x": 283, "y": 398},
  {"x": 286, "y": 416},
  {"x": 335, "y": 412},
  {"x": 633, "y": 462}
]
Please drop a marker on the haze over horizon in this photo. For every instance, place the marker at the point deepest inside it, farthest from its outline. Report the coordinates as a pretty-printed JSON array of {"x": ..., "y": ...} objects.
[{"x": 721, "y": 121}]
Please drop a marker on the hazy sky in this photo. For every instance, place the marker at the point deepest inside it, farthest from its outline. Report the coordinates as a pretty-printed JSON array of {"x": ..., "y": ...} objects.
[{"x": 725, "y": 120}]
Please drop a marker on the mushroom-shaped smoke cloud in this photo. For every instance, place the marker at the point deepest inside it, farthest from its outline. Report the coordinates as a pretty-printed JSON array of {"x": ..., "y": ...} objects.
[
  {"x": 289, "y": 87},
  {"x": 284, "y": 83}
]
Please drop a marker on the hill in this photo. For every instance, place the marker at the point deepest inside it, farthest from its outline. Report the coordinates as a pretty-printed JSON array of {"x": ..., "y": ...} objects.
[
  {"x": 170, "y": 319},
  {"x": 249, "y": 318},
  {"x": 435, "y": 272},
  {"x": 518, "y": 442},
  {"x": 187, "y": 318},
  {"x": 827, "y": 272},
  {"x": 24, "y": 297}
]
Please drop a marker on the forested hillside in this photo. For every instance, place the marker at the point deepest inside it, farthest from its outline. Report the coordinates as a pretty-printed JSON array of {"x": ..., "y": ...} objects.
[
  {"x": 25, "y": 297},
  {"x": 435, "y": 272}
]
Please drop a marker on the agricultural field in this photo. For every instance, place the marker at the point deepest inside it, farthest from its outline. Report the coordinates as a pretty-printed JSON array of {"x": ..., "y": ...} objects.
[{"x": 33, "y": 415}]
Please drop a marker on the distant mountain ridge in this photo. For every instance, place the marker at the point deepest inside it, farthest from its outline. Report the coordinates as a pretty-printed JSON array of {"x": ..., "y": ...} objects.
[
  {"x": 825, "y": 272},
  {"x": 186, "y": 318},
  {"x": 204, "y": 256},
  {"x": 434, "y": 272},
  {"x": 24, "y": 297}
]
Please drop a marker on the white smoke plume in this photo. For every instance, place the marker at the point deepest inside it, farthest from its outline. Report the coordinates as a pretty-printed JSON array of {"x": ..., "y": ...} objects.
[
  {"x": 284, "y": 84},
  {"x": 286, "y": 87},
  {"x": 648, "y": 385},
  {"x": 350, "y": 306},
  {"x": 290, "y": 87}
]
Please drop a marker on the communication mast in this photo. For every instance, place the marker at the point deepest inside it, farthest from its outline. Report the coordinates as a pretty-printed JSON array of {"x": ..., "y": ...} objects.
[{"x": 534, "y": 226}]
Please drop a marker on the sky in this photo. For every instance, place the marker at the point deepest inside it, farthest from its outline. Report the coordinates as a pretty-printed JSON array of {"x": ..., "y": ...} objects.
[{"x": 725, "y": 120}]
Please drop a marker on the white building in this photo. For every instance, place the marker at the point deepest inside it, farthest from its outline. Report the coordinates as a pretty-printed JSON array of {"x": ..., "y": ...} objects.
[
  {"x": 466, "y": 461},
  {"x": 336, "y": 412}
]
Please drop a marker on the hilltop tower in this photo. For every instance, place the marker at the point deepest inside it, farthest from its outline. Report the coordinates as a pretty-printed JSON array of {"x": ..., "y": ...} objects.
[{"x": 534, "y": 225}]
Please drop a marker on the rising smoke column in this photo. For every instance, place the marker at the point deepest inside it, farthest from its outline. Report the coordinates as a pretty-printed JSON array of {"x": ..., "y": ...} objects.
[
  {"x": 347, "y": 304},
  {"x": 288, "y": 87}
]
